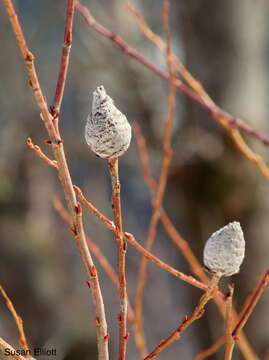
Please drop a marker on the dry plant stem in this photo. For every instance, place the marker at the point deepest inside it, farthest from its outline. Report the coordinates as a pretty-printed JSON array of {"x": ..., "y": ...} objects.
[
  {"x": 4, "y": 345},
  {"x": 58, "y": 97},
  {"x": 158, "y": 197},
  {"x": 256, "y": 159},
  {"x": 253, "y": 302},
  {"x": 213, "y": 110},
  {"x": 211, "y": 350},
  {"x": 229, "y": 326},
  {"x": 18, "y": 320},
  {"x": 97, "y": 252},
  {"x": 122, "y": 247},
  {"x": 197, "y": 314},
  {"x": 64, "y": 175}
]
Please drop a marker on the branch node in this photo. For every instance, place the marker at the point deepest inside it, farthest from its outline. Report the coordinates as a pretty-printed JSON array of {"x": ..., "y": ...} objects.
[{"x": 107, "y": 337}]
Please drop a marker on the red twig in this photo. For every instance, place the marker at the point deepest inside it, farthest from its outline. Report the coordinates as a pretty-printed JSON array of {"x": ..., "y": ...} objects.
[
  {"x": 187, "y": 321},
  {"x": 213, "y": 110},
  {"x": 58, "y": 97},
  {"x": 122, "y": 247},
  {"x": 253, "y": 302},
  {"x": 19, "y": 322},
  {"x": 229, "y": 325}
]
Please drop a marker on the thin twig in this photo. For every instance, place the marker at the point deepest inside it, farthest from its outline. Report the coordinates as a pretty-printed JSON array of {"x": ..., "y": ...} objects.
[
  {"x": 40, "y": 153},
  {"x": 108, "y": 223},
  {"x": 234, "y": 122},
  {"x": 113, "y": 165},
  {"x": 65, "y": 178},
  {"x": 19, "y": 322},
  {"x": 197, "y": 314},
  {"x": 249, "y": 309},
  {"x": 160, "y": 191},
  {"x": 229, "y": 325},
  {"x": 58, "y": 97}
]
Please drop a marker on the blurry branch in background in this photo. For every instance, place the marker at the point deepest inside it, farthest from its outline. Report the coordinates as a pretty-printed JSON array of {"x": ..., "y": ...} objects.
[
  {"x": 197, "y": 87},
  {"x": 65, "y": 178},
  {"x": 187, "y": 321},
  {"x": 161, "y": 186},
  {"x": 229, "y": 325},
  {"x": 18, "y": 320},
  {"x": 229, "y": 122}
]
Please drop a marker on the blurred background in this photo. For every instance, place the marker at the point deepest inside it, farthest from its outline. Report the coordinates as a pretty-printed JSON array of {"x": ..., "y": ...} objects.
[{"x": 225, "y": 44}]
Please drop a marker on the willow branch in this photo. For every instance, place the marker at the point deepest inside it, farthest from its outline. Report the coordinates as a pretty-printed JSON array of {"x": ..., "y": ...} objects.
[
  {"x": 197, "y": 314},
  {"x": 122, "y": 247},
  {"x": 229, "y": 326},
  {"x": 65, "y": 179},
  {"x": 58, "y": 97},
  {"x": 253, "y": 302}
]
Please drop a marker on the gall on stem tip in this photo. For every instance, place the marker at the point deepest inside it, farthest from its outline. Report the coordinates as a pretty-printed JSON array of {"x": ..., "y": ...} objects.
[
  {"x": 224, "y": 251},
  {"x": 107, "y": 131}
]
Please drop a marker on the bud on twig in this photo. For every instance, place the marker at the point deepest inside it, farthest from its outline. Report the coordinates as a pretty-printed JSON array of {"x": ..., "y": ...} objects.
[
  {"x": 107, "y": 132},
  {"x": 225, "y": 249}
]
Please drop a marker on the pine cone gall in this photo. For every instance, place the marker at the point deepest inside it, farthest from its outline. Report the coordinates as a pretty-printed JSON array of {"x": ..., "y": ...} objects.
[
  {"x": 107, "y": 132},
  {"x": 225, "y": 249}
]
